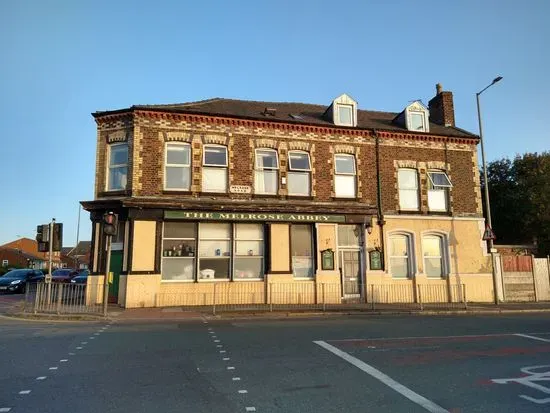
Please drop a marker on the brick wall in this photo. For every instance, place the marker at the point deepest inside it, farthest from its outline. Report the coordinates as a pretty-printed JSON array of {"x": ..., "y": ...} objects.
[{"x": 147, "y": 136}]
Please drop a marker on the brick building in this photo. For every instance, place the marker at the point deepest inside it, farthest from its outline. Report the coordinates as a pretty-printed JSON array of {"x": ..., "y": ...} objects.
[{"x": 251, "y": 194}]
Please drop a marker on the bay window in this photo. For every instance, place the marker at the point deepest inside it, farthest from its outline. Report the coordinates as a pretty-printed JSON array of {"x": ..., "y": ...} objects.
[
  {"x": 266, "y": 177},
  {"x": 299, "y": 173},
  {"x": 214, "y": 171}
]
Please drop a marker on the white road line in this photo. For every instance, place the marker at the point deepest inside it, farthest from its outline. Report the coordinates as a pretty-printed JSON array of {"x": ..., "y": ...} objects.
[
  {"x": 71, "y": 354},
  {"x": 387, "y": 380},
  {"x": 219, "y": 346},
  {"x": 92, "y": 338},
  {"x": 41, "y": 378},
  {"x": 533, "y": 337},
  {"x": 222, "y": 351},
  {"x": 230, "y": 368},
  {"x": 79, "y": 348},
  {"x": 5, "y": 409},
  {"x": 84, "y": 342},
  {"x": 63, "y": 360},
  {"x": 216, "y": 341},
  {"x": 243, "y": 391},
  {"x": 53, "y": 368},
  {"x": 251, "y": 409},
  {"x": 226, "y": 358},
  {"x": 24, "y": 392},
  {"x": 423, "y": 337},
  {"x": 236, "y": 379}
]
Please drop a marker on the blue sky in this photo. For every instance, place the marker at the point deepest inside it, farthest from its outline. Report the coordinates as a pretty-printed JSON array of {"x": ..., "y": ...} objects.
[{"x": 62, "y": 60}]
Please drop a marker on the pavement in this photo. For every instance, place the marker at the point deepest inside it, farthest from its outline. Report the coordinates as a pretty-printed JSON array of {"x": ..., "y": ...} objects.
[{"x": 374, "y": 363}]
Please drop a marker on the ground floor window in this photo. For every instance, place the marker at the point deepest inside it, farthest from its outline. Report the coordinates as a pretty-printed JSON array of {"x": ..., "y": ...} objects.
[
  {"x": 212, "y": 251},
  {"x": 400, "y": 256},
  {"x": 433, "y": 247},
  {"x": 301, "y": 246}
]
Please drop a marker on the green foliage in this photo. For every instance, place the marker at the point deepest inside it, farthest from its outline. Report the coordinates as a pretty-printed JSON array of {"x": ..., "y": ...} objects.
[{"x": 520, "y": 199}]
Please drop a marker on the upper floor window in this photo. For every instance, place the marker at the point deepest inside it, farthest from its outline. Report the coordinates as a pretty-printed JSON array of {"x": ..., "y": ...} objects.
[
  {"x": 345, "y": 114},
  {"x": 401, "y": 265},
  {"x": 214, "y": 171},
  {"x": 266, "y": 176},
  {"x": 299, "y": 173},
  {"x": 417, "y": 121},
  {"x": 438, "y": 191},
  {"x": 415, "y": 116},
  {"x": 433, "y": 248},
  {"x": 408, "y": 189},
  {"x": 344, "y": 179},
  {"x": 118, "y": 167},
  {"x": 177, "y": 166}
]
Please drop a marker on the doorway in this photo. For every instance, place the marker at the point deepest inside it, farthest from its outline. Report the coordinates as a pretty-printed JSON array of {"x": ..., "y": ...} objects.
[{"x": 349, "y": 259}]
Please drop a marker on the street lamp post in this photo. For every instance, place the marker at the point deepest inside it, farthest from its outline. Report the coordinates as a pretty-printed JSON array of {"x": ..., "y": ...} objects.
[{"x": 486, "y": 186}]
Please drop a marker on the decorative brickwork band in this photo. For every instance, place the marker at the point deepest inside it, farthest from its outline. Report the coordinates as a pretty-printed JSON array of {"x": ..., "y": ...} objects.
[
  {"x": 118, "y": 136},
  {"x": 215, "y": 139},
  {"x": 177, "y": 136}
]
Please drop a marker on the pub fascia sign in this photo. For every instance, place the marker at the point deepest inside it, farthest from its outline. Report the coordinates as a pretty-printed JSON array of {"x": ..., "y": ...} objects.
[{"x": 250, "y": 216}]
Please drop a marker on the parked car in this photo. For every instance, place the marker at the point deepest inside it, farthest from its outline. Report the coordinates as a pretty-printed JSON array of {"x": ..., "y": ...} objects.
[
  {"x": 15, "y": 281},
  {"x": 81, "y": 278},
  {"x": 64, "y": 275}
]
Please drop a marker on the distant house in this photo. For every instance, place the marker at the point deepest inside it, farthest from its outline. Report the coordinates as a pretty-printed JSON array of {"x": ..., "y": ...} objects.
[
  {"x": 76, "y": 257},
  {"x": 29, "y": 247},
  {"x": 12, "y": 257}
]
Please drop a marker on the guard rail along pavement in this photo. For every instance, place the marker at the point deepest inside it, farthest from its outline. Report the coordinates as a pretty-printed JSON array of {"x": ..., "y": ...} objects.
[
  {"x": 319, "y": 297},
  {"x": 63, "y": 298}
]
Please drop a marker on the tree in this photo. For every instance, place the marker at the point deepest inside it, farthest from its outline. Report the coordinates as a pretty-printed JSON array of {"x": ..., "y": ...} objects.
[{"x": 520, "y": 199}]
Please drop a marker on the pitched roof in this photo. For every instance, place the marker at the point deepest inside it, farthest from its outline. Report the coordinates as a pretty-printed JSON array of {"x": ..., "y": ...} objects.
[
  {"x": 298, "y": 113},
  {"x": 22, "y": 253},
  {"x": 82, "y": 248}
]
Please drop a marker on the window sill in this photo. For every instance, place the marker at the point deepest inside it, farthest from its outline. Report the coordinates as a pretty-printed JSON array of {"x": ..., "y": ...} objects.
[
  {"x": 177, "y": 281},
  {"x": 215, "y": 194},
  {"x": 248, "y": 279},
  {"x": 212, "y": 280},
  {"x": 304, "y": 278},
  {"x": 176, "y": 192},
  {"x": 118, "y": 192},
  {"x": 300, "y": 197},
  {"x": 265, "y": 195},
  {"x": 345, "y": 199},
  {"x": 410, "y": 212},
  {"x": 443, "y": 213}
]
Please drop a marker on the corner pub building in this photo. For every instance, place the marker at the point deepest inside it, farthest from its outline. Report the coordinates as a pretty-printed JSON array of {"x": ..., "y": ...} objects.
[{"x": 243, "y": 198}]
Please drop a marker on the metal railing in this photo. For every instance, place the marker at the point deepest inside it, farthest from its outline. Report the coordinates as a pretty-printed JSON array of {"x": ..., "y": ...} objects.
[
  {"x": 314, "y": 296},
  {"x": 63, "y": 298}
]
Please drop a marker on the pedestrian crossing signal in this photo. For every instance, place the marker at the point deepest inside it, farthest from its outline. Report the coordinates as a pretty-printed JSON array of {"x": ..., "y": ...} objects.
[{"x": 488, "y": 234}]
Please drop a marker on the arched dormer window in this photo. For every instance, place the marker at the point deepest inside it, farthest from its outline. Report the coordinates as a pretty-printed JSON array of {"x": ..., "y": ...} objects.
[{"x": 343, "y": 111}]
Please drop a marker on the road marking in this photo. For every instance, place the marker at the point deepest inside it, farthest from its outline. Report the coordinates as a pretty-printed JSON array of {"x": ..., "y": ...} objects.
[
  {"x": 230, "y": 368},
  {"x": 211, "y": 332},
  {"x": 222, "y": 351},
  {"x": 216, "y": 341},
  {"x": 251, "y": 409},
  {"x": 79, "y": 348},
  {"x": 236, "y": 379},
  {"x": 63, "y": 360},
  {"x": 41, "y": 378},
  {"x": 243, "y": 391},
  {"x": 84, "y": 342},
  {"x": 387, "y": 380},
  {"x": 5, "y": 409},
  {"x": 53, "y": 368},
  {"x": 533, "y": 337},
  {"x": 92, "y": 338},
  {"x": 24, "y": 392},
  {"x": 424, "y": 337},
  {"x": 96, "y": 334},
  {"x": 531, "y": 377},
  {"x": 71, "y": 354},
  {"x": 214, "y": 337},
  {"x": 219, "y": 346},
  {"x": 226, "y": 358}
]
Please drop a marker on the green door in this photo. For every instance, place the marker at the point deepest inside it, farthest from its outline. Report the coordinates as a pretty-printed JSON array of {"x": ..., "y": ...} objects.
[{"x": 116, "y": 268}]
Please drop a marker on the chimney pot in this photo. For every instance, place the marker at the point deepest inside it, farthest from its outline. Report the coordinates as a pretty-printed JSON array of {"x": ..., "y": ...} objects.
[{"x": 438, "y": 88}]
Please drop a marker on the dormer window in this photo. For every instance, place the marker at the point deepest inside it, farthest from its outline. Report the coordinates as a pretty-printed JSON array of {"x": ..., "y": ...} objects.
[
  {"x": 415, "y": 117},
  {"x": 345, "y": 115},
  {"x": 342, "y": 111}
]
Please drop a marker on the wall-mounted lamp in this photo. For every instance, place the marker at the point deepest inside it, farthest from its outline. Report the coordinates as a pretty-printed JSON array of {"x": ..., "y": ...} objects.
[{"x": 368, "y": 227}]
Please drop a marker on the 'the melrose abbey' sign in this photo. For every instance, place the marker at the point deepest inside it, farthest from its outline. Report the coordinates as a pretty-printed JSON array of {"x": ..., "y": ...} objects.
[{"x": 249, "y": 216}]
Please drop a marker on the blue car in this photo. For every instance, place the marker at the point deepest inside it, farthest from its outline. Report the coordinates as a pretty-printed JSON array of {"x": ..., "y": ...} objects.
[
  {"x": 14, "y": 281},
  {"x": 81, "y": 278}
]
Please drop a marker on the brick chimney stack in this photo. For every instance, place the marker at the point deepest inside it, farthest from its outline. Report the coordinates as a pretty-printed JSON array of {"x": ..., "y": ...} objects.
[{"x": 441, "y": 107}]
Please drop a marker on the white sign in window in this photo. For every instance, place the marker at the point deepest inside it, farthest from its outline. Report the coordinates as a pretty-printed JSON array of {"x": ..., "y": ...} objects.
[
  {"x": 266, "y": 177},
  {"x": 408, "y": 189},
  {"x": 344, "y": 179},
  {"x": 177, "y": 169},
  {"x": 301, "y": 246},
  {"x": 214, "y": 171},
  {"x": 299, "y": 174},
  {"x": 118, "y": 167}
]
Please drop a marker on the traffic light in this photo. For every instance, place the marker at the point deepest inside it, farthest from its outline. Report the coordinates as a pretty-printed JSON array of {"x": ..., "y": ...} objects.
[
  {"x": 110, "y": 224},
  {"x": 42, "y": 237},
  {"x": 57, "y": 237}
]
